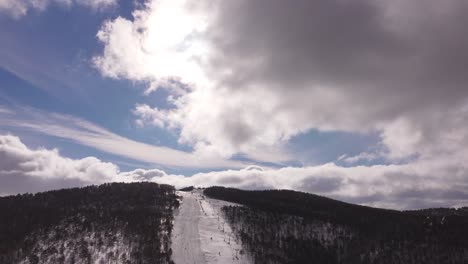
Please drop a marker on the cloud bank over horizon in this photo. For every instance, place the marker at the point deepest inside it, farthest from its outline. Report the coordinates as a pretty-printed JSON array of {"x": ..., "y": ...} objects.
[{"x": 409, "y": 186}]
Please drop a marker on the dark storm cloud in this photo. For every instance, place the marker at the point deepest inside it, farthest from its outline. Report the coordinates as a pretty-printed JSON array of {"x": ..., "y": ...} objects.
[{"x": 388, "y": 58}]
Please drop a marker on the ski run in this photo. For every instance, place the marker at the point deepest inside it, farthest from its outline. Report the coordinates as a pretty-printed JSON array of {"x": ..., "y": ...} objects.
[{"x": 201, "y": 234}]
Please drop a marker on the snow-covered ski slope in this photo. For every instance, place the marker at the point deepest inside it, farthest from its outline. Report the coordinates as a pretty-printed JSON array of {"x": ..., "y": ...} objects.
[{"x": 201, "y": 234}]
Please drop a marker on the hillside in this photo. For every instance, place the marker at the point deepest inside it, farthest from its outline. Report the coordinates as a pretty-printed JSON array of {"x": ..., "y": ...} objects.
[
  {"x": 111, "y": 223},
  {"x": 151, "y": 223},
  {"x": 281, "y": 226}
]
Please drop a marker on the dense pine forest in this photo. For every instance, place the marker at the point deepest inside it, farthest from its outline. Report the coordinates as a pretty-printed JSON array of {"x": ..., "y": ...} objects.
[
  {"x": 111, "y": 223},
  {"x": 281, "y": 226}
]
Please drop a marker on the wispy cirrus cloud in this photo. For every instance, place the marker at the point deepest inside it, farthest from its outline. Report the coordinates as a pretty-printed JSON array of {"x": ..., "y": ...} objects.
[
  {"x": 4, "y": 110},
  {"x": 88, "y": 134},
  {"x": 19, "y": 8}
]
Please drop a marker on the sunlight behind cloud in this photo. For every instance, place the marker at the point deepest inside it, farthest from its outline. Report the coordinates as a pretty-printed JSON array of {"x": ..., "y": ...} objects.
[
  {"x": 245, "y": 81},
  {"x": 162, "y": 43}
]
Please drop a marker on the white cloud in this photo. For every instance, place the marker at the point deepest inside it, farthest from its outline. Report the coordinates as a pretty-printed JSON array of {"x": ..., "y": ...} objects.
[
  {"x": 401, "y": 138},
  {"x": 149, "y": 49},
  {"x": 254, "y": 73},
  {"x": 409, "y": 186},
  {"x": 143, "y": 175},
  {"x": 148, "y": 115},
  {"x": 423, "y": 183},
  {"x": 96, "y": 4},
  {"x": 24, "y": 169},
  {"x": 363, "y": 156},
  {"x": 88, "y": 134},
  {"x": 5, "y": 111},
  {"x": 19, "y": 8},
  {"x": 145, "y": 49}
]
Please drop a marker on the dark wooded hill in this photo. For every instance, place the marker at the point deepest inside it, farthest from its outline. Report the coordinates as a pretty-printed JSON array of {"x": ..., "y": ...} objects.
[
  {"x": 280, "y": 226},
  {"x": 111, "y": 223}
]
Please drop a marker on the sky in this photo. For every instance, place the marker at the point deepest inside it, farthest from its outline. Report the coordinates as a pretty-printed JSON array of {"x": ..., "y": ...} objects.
[{"x": 364, "y": 101}]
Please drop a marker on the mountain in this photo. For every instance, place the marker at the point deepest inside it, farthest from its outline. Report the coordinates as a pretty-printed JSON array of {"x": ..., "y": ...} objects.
[
  {"x": 111, "y": 223},
  {"x": 152, "y": 223},
  {"x": 280, "y": 226}
]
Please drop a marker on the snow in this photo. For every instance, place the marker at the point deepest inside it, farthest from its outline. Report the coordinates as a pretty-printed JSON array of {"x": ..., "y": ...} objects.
[
  {"x": 185, "y": 236},
  {"x": 201, "y": 234},
  {"x": 50, "y": 248}
]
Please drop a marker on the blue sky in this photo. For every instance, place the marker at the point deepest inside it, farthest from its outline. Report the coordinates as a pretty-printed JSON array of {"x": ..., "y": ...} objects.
[
  {"x": 46, "y": 64},
  {"x": 159, "y": 90}
]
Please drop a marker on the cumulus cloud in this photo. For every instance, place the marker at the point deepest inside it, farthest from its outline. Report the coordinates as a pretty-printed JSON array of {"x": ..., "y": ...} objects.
[
  {"x": 23, "y": 169},
  {"x": 251, "y": 74},
  {"x": 148, "y": 49},
  {"x": 19, "y": 8},
  {"x": 30, "y": 170},
  {"x": 144, "y": 175}
]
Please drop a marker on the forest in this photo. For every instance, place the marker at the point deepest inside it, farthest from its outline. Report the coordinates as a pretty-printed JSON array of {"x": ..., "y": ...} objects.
[
  {"x": 110, "y": 223},
  {"x": 280, "y": 226}
]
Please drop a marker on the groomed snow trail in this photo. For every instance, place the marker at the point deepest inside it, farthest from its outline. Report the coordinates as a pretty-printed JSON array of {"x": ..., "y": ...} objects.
[
  {"x": 201, "y": 235},
  {"x": 185, "y": 236}
]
